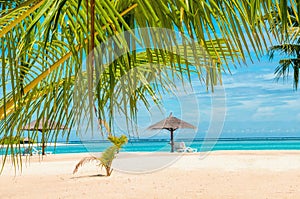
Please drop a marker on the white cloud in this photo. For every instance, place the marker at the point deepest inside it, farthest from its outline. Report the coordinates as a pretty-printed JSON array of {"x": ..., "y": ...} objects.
[
  {"x": 268, "y": 76},
  {"x": 264, "y": 111}
]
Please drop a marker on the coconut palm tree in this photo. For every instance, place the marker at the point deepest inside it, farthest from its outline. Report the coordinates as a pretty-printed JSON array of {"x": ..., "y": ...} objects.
[
  {"x": 107, "y": 156},
  {"x": 288, "y": 46},
  {"x": 292, "y": 62},
  {"x": 46, "y": 53}
]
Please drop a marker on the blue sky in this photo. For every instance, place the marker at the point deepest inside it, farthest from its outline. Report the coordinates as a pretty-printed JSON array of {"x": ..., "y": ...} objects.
[{"x": 257, "y": 105}]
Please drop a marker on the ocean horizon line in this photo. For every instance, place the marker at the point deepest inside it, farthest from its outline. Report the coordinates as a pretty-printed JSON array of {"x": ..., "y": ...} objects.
[{"x": 275, "y": 138}]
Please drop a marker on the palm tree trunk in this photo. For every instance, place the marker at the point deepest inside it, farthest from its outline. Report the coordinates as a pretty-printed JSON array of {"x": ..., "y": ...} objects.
[
  {"x": 108, "y": 170},
  {"x": 296, "y": 71}
]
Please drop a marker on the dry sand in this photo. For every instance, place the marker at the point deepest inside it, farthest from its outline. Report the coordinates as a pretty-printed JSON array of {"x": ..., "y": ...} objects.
[{"x": 221, "y": 174}]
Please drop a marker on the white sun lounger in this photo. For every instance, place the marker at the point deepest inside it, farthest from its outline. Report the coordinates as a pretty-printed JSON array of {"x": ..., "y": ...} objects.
[
  {"x": 180, "y": 147},
  {"x": 33, "y": 151}
]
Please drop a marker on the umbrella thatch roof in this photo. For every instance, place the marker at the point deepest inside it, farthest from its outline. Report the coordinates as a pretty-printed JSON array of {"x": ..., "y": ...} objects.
[
  {"x": 171, "y": 123},
  {"x": 43, "y": 125}
]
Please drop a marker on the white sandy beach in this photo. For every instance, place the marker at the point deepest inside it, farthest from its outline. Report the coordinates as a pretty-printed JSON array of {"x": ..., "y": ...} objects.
[{"x": 220, "y": 174}]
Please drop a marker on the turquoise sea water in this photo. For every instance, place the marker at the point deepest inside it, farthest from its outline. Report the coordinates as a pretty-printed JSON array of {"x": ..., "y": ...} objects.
[{"x": 163, "y": 146}]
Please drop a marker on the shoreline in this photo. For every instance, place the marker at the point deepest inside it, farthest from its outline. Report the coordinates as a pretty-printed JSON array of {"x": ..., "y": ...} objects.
[
  {"x": 236, "y": 151},
  {"x": 39, "y": 144},
  {"x": 218, "y": 174}
]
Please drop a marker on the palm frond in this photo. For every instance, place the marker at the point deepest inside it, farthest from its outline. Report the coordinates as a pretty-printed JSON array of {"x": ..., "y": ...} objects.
[
  {"x": 118, "y": 141},
  {"x": 84, "y": 161},
  {"x": 107, "y": 156},
  {"x": 284, "y": 49},
  {"x": 105, "y": 160},
  {"x": 44, "y": 46},
  {"x": 282, "y": 71},
  {"x": 17, "y": 15}
]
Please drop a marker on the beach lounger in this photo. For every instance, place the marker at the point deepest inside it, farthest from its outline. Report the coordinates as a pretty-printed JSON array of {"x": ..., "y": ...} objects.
[
  {"x": 40, "y": 152},
  {"x": 180, "y": 147},
  {"x": 27, "y": 151},
  {"x": 30, "y": 151},
  {"x": 34, "y": 151},
  {"x": 48, "y": 152}
]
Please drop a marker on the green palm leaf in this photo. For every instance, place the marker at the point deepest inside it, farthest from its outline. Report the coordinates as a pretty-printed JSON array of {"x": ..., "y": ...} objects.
[
  {"x": 107, "y": 156},
  {"x": 44, "y": 45}
]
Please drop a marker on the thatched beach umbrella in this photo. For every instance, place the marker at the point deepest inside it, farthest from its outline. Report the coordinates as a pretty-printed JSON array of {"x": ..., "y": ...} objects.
[
  {"x": 171, "y": 124},
  {"x": 26, "y": 140},
  {"x": 42, "y": 127}
]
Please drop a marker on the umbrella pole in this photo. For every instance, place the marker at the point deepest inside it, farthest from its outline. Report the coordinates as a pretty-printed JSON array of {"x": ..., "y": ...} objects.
[
  {"x": 43, "y": 144},
  {"x": 172, "y": 141}
]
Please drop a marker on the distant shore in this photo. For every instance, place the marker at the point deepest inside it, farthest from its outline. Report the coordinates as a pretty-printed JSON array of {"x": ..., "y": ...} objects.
[
  {"x": 217, "y": 174},
  {"x": 37, "y": 145},
  {"x": 164, "y": 146}
]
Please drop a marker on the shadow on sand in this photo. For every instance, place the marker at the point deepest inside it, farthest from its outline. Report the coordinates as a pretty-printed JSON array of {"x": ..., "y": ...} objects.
[{"x": 88, "y": 176}]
